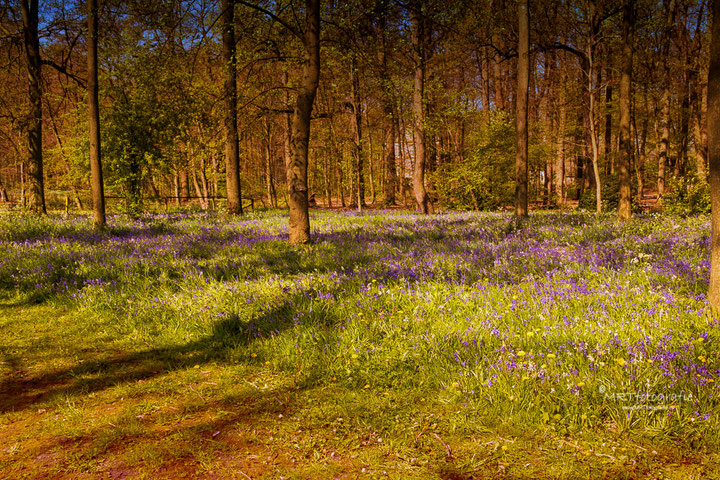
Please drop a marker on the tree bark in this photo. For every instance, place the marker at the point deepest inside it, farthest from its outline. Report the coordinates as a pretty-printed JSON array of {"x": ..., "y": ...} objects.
[
  {"x": 608, "y": 150},
  {"x": 3, "y": 194},
  {"x": 641, "y": 158},
  {"x": 626, "y": 146},
  {"x": 559, "y": 167},
  {"x": 665, "y": 104},
  {"x": 269, "y": 181},
  {"x": 359, "y": 167},
  {"x": 497, "y": 74},
  {"x": 521, "y": 112},
  {"x": 31, "y": 43},
  {"x": 299, "y": 224},
  {"x": 387, "y": 87},
  {"x": 700, "y": 132},
  {"x": 420, "y": 57},
  {"x": 713, "y": 118},
  {"x": 593, "y": 136},
  {"x": 232, "y": 154},
  {"x": 184, "y": 186},
  {"x": 96, "y": 175},
  {"x": 485, "y": 82}
]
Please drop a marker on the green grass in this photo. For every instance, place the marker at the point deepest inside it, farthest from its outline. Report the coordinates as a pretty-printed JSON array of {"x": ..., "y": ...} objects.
[{"x": 394, "y": 347}]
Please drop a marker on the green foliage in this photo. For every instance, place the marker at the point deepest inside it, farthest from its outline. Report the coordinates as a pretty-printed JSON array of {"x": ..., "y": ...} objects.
[
  {"x": 687, "y": 196},
  {"x": 610, "y": 195},
  {"x": 484, "y": 180}
]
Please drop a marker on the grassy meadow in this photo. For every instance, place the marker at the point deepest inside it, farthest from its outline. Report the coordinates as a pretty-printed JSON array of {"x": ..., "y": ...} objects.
[{"x": 454, "y": 346}]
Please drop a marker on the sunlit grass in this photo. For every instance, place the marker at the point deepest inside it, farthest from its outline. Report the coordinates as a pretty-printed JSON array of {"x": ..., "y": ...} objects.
[{"x": 393, "y": 340}]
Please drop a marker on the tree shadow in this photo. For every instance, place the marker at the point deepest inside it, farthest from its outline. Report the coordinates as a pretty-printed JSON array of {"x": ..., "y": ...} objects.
[{"x": 21, "y": 390}]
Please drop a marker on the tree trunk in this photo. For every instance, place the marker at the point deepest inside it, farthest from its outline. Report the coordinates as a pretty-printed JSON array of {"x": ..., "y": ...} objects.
[
  {"x": 713, "y": 118},
  {"x": 299, "y": 224},
  {"x": 684, "y": 126},
  {"x": 485, "y": 82},
  {"x": 626, "y": 144},
  {"x": 664, "y": 140},
  {"x": 593, "y": 135},
  {"x": 420, "y": 57},
  {"x": 232, "y": 155},
  {"x": 641, "y": 148},
  {"x": 608, "y": 154},
  {"x": 701, "y": 133},
  {"x": 665, "y": 104},
  {"x": 497, "y": 74},
  {"x": 388, "y": 103},
  {"x": 548, "y": 105},
  {"x": 359, "y": 192},
  {"x": 269, "y": 183},
  {"x": 588, "y": 180},
  {"x": 204, "y": 181},
  {"x": 198, "y": 191},
  {"x": 3, "y": 194},
  {"x": 176, "y": 185},
  {"x": 521, "y": 112},
  {"x": 96, "y": 175},
  {"x": 559, "y": 167},
  {"x": 327, "y": 180},
  {"x": 184, "y": 186},
  {"x": 371, "y": 167},
  {"x": 36, "y": 199}
]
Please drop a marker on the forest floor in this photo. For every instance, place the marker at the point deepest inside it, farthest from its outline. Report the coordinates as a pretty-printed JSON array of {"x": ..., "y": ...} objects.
[{"x": 396, "y": 346}]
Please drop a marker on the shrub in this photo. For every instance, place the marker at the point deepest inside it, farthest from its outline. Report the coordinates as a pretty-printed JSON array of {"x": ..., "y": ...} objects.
[
  {"x": 687, "y": 196},
  {"x": 610, "y": 195}
]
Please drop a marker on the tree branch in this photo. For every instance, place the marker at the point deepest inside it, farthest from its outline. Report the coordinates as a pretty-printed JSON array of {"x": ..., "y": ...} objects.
[
  {"x": 64, "y": 71},
  {"x": 282, "y": 22}
]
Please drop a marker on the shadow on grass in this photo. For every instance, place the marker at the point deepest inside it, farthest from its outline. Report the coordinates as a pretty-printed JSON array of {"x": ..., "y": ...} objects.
[{"x": 21, "y": 390}]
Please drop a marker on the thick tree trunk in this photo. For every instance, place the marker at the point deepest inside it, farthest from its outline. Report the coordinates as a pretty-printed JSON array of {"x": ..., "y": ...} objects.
[
  {"x": 299, "y": 224},
  {"x": 36, "y": 198},
  {"x": 96, "y": 175},
  {"x": 420, "y": 56},
  {"x": 232, "y": 155},
  {"x": 713, "y": 118},
  {"x": 626, "y": 144},
  {"x": 521, "y": 112},
  {"x": 184, "y": 186}
]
